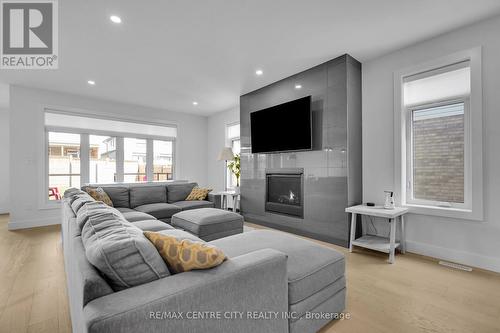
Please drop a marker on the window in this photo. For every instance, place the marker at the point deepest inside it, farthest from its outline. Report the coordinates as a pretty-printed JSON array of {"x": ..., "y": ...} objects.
[
  {"x": 436, "y": 102},
  {"x": 102, "y": 157},
  {"x": 162, "y": 161},
  {"x": 440, "y": 172},
  {"x": 233, "y": 139},
  {"x": 134, "y": 164},
  {"x": 82, "y": 150},
  {"x": 63, "y": 163}
]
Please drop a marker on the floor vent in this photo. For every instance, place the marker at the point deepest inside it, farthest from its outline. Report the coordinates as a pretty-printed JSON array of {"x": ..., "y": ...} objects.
[{"x": 455, "y": 266}]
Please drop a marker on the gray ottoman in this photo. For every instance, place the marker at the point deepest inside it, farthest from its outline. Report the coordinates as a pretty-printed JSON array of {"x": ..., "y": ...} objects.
[{"x": 209, "y": 223}]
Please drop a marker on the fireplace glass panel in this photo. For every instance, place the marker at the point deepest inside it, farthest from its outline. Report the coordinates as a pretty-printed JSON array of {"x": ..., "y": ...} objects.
[{"x": 285, "y": 189}]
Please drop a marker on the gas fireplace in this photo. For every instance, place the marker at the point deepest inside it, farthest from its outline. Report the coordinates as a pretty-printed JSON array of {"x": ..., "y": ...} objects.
[{"x": 284, "y": 191}]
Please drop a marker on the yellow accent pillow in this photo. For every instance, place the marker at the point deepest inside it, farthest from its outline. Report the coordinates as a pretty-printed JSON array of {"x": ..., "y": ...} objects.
[
  {"x": 99, "y": 194},
  {"x": 198, "y": 193},
  {"x": 182, "y": 255}
]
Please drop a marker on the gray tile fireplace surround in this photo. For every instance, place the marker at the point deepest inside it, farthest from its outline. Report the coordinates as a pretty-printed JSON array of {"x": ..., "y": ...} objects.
[{"x": 330, "y": 173}]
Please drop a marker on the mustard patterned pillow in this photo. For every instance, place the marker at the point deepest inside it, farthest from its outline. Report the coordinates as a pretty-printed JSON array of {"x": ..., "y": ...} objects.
[
  {"x": 198, "y": 193},
  {"x": 182, "y": 255},
  {"x": 98, "y": 194}
]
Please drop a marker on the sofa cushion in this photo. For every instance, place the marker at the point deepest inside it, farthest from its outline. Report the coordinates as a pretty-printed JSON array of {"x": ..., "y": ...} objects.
[
  {"x": 118, "y": 194},
  {"x": 206, "y": 221},
  {"x": 124, "y": 209},
  {"x": 79, "y": 200},
  {"x": 121, "y": 252},
  {"x": 311, "y": 302},
  {"x": 186, "y": 205},
  {"x": 91, "y": 283},
  {"x": 311, "y": 267},
  {"x": 135, "y": 216},
  {"x": 71, "y": 193},
  {"x": 159, "y": 210},
  {"x": 179, "y": 192},
  {"x": 90, "y": 209},
  {"x": 185, "y": 255},
  {"x": 143, "y": 195},
  {"x": 180, "y": 234},
  {"x": 152, "y": 225}
]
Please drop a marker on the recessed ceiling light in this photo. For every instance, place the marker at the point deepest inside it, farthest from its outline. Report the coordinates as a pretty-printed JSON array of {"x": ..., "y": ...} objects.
[
  {"x": 92, "y": 83},
  {"x": 298, "y": 86},
  {"x": 195, "y": 103},
  {"x": 259, "y": 72},
  {"x": 115, "y": 19}
]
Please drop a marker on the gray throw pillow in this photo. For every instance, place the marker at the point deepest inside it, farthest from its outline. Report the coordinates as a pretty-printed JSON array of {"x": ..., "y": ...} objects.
[{"x": 121, "y": 252}]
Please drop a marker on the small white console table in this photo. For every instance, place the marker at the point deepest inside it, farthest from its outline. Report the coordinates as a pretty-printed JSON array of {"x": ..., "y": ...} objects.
[
  {"x": 377, "y": 243},
  {"x": 224, "y": 202}
]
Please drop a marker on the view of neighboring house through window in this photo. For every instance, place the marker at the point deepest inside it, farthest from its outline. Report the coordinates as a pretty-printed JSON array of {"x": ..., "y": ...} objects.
[
  {"x": 83, "y": 149},
  {"x": 134, "y": 165},
  {"x": 162, "y": 160},
  {"x": 102, "y": 158},
  {"x": 63, "y": 163},
  {"x": 233, "y": 140},
  {"x": 437, "y": 150}
]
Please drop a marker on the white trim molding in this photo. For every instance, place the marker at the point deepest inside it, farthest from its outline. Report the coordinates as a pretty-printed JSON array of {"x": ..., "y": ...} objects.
[
  {"x": 32, "y": 223},
  {"x": 474, "y": 140},
  {"x": 456, "y": 256}
]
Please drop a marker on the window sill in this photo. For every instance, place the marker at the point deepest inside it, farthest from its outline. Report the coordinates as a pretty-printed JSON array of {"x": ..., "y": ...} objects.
[{"x": 457, "y": 213}]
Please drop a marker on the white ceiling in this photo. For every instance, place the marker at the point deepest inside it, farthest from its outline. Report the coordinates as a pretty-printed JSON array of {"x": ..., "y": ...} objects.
[{"x": 168, "y": 54}]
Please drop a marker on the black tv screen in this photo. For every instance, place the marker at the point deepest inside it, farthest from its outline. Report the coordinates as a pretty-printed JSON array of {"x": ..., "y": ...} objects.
[{"x": 284, "y": 127}]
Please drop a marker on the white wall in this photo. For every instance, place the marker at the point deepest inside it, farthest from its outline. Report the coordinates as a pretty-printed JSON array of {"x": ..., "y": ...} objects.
[
  {"x": 216, "y": 140},
  {"x": 4, "y": 164},
  {"x": 27, "y": 152},
  {"x": 468, "y": 242}
]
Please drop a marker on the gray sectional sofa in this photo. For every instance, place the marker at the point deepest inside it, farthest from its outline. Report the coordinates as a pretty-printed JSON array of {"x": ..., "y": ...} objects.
[
  {"x": 154, "y": 200},
  {"x": 271, "y": 282}
]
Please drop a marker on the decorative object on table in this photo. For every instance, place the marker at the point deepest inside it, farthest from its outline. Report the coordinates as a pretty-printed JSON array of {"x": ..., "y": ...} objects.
[
  {"x": 234, "y": 167},
  {"x": 182, "y": 255},
  {"x": 198, "y": 193},
  {"x": 389, "y": 200}
]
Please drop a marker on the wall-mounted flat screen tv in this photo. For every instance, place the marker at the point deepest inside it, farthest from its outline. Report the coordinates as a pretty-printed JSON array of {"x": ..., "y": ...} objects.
[{"x": 281, "y": 128}]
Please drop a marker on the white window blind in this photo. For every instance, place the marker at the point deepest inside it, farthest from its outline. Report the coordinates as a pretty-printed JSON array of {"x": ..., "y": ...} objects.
[
  {"x": 444, "y": 83},
  {"x": 233, "y": 131},
  {"x": 56, "y": 119}
]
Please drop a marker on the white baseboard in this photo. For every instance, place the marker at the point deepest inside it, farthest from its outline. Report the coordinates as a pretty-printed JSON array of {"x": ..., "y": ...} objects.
[
  {"x": 24, "y": 224},
  {"x": 457, "y": 256},
  {"x": 4, "y": 210}
]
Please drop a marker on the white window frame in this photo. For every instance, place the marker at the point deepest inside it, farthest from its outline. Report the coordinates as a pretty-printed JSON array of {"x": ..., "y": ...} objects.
[
  {"x": 84, "y": 151},
  {"x": 472, "y": 209},
  {"x": 410, "y": 200}
]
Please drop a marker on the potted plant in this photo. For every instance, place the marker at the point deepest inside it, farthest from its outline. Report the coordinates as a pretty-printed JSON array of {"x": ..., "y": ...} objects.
[{"x": 234, "y": 167}]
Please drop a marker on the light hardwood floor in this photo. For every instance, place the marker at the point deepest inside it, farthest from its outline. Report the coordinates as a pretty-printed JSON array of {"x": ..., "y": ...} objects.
[{"x": 413, "y": 295}]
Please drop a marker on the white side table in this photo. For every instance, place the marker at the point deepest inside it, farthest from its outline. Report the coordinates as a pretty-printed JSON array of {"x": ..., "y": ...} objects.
[
  {"x": 377, "y": 243},
  {"x": 224, "y": 195}
]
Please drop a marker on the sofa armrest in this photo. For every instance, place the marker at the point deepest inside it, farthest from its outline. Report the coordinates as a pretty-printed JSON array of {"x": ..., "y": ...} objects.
[
  {"x": 216, "y": 199},
  {"x": 224, "y": 295}
]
